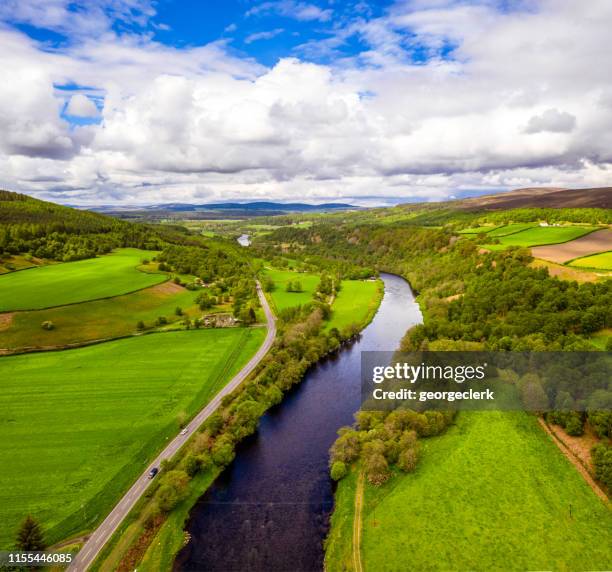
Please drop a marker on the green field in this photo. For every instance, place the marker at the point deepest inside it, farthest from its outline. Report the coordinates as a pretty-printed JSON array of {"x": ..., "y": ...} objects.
[
  {"x": 355, "y": 303},
  {"x": 602, "y": 261},
  {"x": 541, "y": 235},
  {"x": 494, "y": 493},
  {"x": 283, "y": 299},
  {"x": 478, "y": 229},
  {"x": 98, "y": 319},
  {"x": 71, "y": 282},
  {"x": 511, "y": 229},
  {"x": 78, "y": 426}
]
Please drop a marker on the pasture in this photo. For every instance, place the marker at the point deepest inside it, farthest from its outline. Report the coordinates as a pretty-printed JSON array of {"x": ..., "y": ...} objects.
[
  {"x": 283, "y": 299},
  {"x": 78, "y": 426},
  {"x": 356, "y": 303},
  {"x": 602, "y": 261},
  {"x": 71, "y": 282},
  {"x": 95, "y": 320},
  {"x": 493, "y": 493},
  {"x": 541, "y": 235}
]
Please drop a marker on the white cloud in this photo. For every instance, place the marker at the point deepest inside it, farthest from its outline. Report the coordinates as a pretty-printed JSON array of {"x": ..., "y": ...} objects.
[
  {"x": 268, "y": 35},
  {"x": 81, "y": 106},
  {"x": 551, "y": 120},
  {"x": 292, "y": 9},
  {"x": 526, "y": 100}
]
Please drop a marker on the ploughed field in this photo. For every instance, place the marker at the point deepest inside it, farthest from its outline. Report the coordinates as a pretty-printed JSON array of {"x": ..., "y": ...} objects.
[
  {"x": 599, "y": 241},
  {"x": 78, "y": 426},
  {"x": 71, "y": 282},
  {"x": 492, "y": 493}
]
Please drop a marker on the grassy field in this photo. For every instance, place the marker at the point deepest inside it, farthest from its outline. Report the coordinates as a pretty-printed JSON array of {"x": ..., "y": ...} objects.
[
  {"x": 541, "y": 235},
  {"x": 511, "y": 229},
  {"x": 478, "y": 229},
  {"x": 71, "y": 282},
  {"x": 283, "y": 299},
  {"x": 99, "y": 319},
  {"x": 76, "y": 427},
  {"x": 355, "y": 303},
  {"x": 602, "y": 261},
  {"x": 494, "y": 493}
]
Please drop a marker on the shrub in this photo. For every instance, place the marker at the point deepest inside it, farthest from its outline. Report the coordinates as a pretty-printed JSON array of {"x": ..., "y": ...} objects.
[
  {"x": 140, "y": 326},
  {"x": 338, "y": 470},
  {"x": 601, "y": 456},
  {"x": 408, "y": 459},
  {"x": 48, "y": 325}
]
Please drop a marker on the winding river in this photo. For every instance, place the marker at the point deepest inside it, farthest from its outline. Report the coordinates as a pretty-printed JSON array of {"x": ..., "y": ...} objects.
[{"x": 269, "y": 511}]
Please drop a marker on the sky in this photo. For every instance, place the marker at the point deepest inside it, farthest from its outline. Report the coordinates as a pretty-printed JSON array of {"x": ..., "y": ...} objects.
[{"x": 369, "y": 102}]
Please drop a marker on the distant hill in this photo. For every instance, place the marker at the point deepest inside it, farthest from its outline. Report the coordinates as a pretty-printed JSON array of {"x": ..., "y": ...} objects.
[
  {"x": 17, "y": 208},
  {"x": 218, "y": 210},
  {"x": 545, "y": 197}
]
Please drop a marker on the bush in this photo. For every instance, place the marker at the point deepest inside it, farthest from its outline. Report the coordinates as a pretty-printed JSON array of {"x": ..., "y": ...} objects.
[
  {"x": 408, "y": 459},
  {"x": 48, "y": 325},
  {"x": 161, "y": 321},
  {"x": 178, "y": 311},
  {"x": 338, "y": 471},
  {"x": 223, "y": 452},
  {"x": 140, "y": 326},
  {"x": 601, "y": 456}
]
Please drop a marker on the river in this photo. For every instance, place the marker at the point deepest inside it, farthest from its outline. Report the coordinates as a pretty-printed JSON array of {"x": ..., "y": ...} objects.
[{"x": 269, "y": 510}]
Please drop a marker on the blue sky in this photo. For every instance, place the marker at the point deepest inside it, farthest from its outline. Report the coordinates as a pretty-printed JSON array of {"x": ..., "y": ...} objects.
[{"x": 142, "y": 101}]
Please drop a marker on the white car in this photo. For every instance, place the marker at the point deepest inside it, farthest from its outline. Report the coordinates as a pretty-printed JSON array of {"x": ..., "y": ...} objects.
[{"x": 184, "y": 431}]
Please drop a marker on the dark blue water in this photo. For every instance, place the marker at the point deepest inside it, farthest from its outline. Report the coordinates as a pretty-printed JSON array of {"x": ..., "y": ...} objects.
[{"x": 269, "y": 511}]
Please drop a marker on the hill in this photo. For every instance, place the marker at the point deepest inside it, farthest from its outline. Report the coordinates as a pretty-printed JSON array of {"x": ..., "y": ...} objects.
[
  {"x": 545, "y": 197},
  {"x": 213, "y": 211}
]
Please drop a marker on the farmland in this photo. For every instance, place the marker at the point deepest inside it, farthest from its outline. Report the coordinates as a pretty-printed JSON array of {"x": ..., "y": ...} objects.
[
  {"x": 535, "y": 236},
  {"x": 355, "y": 303},
  {"x": 71, "y": 282},
  {"x": 283, "y": 299},
  {"x": 593, "y": 243},
  {"x": 602, "y": 261},
  {"x": 98, "y": 319},
  {"x": 466, "y": 509},
  {"x": 77, "y": 426}
]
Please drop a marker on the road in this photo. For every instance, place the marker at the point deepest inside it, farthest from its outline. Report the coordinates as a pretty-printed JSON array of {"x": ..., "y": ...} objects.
[{"x": 102, "y": 534}]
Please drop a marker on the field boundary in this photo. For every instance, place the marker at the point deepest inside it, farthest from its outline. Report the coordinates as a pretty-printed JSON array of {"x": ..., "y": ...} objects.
[
  {"x": 357, "y": 525},
  {"x": 93, "y": 299},
  {"x": 586, "y": 474},
  {"x": 569, "y": 262}
]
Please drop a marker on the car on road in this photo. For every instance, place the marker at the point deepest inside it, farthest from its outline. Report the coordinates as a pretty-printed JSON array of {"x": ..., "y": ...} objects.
[
  {"x": 184, "y": 431},
  {"x": 153, "y": 472}
]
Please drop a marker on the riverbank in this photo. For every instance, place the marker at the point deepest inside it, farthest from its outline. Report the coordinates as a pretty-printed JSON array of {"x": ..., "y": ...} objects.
[
  {"x": 144, "y": 541},
  {"x": 494, "y": 489},
  {"x": 270, "y": 508}
]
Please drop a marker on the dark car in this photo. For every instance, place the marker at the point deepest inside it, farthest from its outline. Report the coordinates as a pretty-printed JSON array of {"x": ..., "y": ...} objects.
[{"x": 153, "y": 472}]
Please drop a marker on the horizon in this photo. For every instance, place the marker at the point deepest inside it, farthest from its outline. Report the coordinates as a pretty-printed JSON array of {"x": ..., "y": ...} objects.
[{"x": 148, "y": 102}]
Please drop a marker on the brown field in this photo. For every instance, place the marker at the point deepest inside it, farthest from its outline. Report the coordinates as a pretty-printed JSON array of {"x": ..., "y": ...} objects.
[
  {"x": 567, "y": 272},
  {"x": 598, "y": 241},
  {"x": 545, "y": 197}
]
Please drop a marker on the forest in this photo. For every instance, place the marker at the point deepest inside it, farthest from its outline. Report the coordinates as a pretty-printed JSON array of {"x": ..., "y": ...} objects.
[{"x": 471, "y": 299}]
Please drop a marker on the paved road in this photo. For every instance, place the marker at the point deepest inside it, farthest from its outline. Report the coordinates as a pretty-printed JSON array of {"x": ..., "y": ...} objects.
[{"x": 101, "y": 535}]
